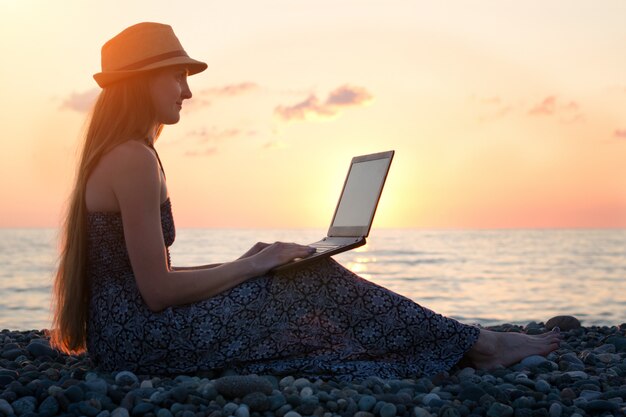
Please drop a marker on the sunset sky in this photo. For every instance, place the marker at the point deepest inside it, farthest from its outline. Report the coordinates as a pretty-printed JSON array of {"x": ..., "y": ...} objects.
[{"x": 502, "y": 114}]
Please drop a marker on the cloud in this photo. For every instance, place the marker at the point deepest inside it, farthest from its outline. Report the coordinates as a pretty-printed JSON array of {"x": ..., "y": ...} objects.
[
  {"x": 493, "y": 108},
  {"x": 209, "y": 139},
  {"x": 231, "y": 90},
  {"x": 311, "y": 108},
  {"x": 213, "y": 134},
  {"x": 565, "y": 111},
  {"x": 80, "y": 102},
  {"x": 206, "y": 97},
  {"x": 619, "y": 133}
]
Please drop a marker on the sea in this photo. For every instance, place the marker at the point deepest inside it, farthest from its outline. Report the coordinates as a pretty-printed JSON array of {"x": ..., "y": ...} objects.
[{"x": 485, "y": 277}]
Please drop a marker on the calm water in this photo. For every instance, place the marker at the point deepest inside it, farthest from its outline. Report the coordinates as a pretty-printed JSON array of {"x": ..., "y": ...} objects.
[{"x": 485, "y": 277}]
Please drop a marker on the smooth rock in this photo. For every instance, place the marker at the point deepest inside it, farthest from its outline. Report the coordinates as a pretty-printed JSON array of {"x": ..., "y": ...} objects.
[
  {"x": 471, "y": 393},
  {"x": 164, "y": 412},
  {"x": 565, "y": 323},
  {"x": 367, "y": 403},
  {"x": 242, "y": 411},
  {"x": 24, "y": 405},
  {"x": 125, "y": 378},
  {"x": 39, "y": 350},
  {"x": 292, "y": 414},
  {"x": 5, "y": 407},
  {"x": 618, "y": 341},
  {"x": 598, "y": 406},
  {"x": 532, "y": 361},
  {"x": 428, "y": 398},
  {"x": 238, "y": 386},
  {"x": 48, "y": 407},
  {"x": 542, "y": 386},
  {"x": 257, "y": 401},
  {"x": 555, "y": 410},
  {"x": 120, "y": 412},
  {"x": 420, "y": 412},
  {"x": 388, "y": 410},
  {"x": 97, "y": 385},
  {"x": 589, "y": 395},
  {"x": 499, "y": 410},
  {"x": 577, "y": 374}
]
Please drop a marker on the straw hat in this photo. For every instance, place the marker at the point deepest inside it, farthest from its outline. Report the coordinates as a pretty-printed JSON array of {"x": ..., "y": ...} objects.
[{"x": 142, "y": 47}]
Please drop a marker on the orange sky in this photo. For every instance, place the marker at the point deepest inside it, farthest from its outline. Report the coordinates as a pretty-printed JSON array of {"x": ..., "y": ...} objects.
[{"x": 502, "y": 115}]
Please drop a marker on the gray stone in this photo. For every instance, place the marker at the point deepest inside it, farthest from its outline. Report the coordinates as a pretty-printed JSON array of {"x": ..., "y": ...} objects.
[
  {"x": 420, "y": 412},
  {"x": 428, "y": 398},
  {"x": 228, "y": 408},
  {"x": 589, "y": 395},
  {"x": 499, "y": 410},
  {"x": 39, "y": 350},
  {"x": 471, "y": 393},
  {"x": 361, "y": 414},
  {"x": 104, "y": 413},
  {"x": 238, "y": 386},
  {"x": 24, "y": 405},
  {"x": 48, "y": 407},
  {"x": 577, "y": 374},
  {"x": 388, "y": 410},
  {"x": 533, "y": 360},
  {"x": 126, "y": 378},
  {"x": 12, "y": 354},
  {"x": 5, "y": 407},
  {"x": 242, "y": 411},
  {"x": 97, "y": 385},
  {"x": 367, "y": 403},
  {"x": 74, "y": 393},
  {"x": 120, "y": 412},
  {"x": 306, "y": 392},
  {"x": 276, "y": 401},
  {"x": 618, "y": 341},
  {"x": 164, "y": 412},
  {"x": 142, "y": 408},
  {"x": 542, "y": 386},
  {"x": 292, "y": 414},
  {"x": 599, "y": 406},
  {"x": 555, "y": 410},
  {"x": 257, "y": 401},
  {"x": 565, "y": 323}
]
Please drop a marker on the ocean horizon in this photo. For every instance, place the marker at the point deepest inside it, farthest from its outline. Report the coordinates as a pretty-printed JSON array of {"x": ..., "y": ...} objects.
[{"x": 477, "y": 276}]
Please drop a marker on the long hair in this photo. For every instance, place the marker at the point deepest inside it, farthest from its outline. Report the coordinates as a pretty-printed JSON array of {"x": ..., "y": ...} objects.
[{"x": 122, "y": 112}]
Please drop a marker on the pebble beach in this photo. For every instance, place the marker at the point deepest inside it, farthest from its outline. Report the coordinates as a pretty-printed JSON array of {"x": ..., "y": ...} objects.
[{"x": 585, "y": 376}]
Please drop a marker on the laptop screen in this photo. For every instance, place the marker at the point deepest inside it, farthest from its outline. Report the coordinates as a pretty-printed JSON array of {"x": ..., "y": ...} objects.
[{"x": 361, "y": 193}]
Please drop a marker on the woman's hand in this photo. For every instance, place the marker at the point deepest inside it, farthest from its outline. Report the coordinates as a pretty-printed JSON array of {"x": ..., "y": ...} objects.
[
  {"x": 279, "y": 253},
  {"x": 258, "y": 247}
]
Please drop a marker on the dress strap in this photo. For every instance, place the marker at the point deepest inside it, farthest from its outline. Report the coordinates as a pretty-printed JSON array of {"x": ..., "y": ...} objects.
[{"x": 151, "y": 146}]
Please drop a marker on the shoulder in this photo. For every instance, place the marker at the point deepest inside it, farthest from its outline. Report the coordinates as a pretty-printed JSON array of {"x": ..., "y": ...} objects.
[
  {"x": 132, "y": 155},
  {"x": 132, "y": 166}
]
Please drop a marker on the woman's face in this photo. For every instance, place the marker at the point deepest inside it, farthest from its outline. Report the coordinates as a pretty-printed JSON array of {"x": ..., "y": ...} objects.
[{"x": 168, "y": 89}]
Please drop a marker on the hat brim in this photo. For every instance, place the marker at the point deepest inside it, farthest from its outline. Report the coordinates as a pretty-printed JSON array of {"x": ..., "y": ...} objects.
[{"x": 107, "y": 78}]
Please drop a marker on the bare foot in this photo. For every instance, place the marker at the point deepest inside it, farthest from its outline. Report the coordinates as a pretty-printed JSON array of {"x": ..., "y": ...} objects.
[{"x": 494, "y": 349}]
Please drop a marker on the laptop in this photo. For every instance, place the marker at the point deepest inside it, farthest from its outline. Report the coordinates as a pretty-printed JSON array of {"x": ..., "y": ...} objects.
[{"x": 355, "y": 210}]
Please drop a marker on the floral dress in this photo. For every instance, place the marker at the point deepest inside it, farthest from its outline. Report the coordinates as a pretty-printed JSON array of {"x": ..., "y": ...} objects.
[{"x": 322, "y": 320}]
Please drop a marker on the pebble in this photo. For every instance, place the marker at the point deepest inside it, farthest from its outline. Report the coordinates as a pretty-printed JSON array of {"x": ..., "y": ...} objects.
[
  {"x": 585, "y": 376},
  {"x": 126, "y": 378},
  {"x": 5, "y": 407},
  {"x": 388, "y": 410},
  {"x": 239, "y": 385},
  {"x": 532, "y": 361},
  {"x": 565, "y": 323}
]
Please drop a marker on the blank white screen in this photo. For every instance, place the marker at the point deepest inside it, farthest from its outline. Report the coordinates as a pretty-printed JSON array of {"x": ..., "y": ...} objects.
[{"x": 361, "y": 192}]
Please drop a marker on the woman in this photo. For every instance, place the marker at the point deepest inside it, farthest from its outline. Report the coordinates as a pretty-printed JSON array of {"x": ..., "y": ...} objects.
[{"x": 118, "y": 296}]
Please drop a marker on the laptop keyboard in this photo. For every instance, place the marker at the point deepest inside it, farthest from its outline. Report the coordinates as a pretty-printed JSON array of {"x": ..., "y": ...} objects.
[{"x": 323, "y": 248}]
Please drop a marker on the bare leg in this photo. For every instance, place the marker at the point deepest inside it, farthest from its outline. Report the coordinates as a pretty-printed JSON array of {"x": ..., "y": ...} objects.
[{"x": 493, "y": 349}]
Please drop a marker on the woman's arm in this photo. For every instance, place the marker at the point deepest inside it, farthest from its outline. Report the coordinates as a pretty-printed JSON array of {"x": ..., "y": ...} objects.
[{"x": 137, "y": 186}]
